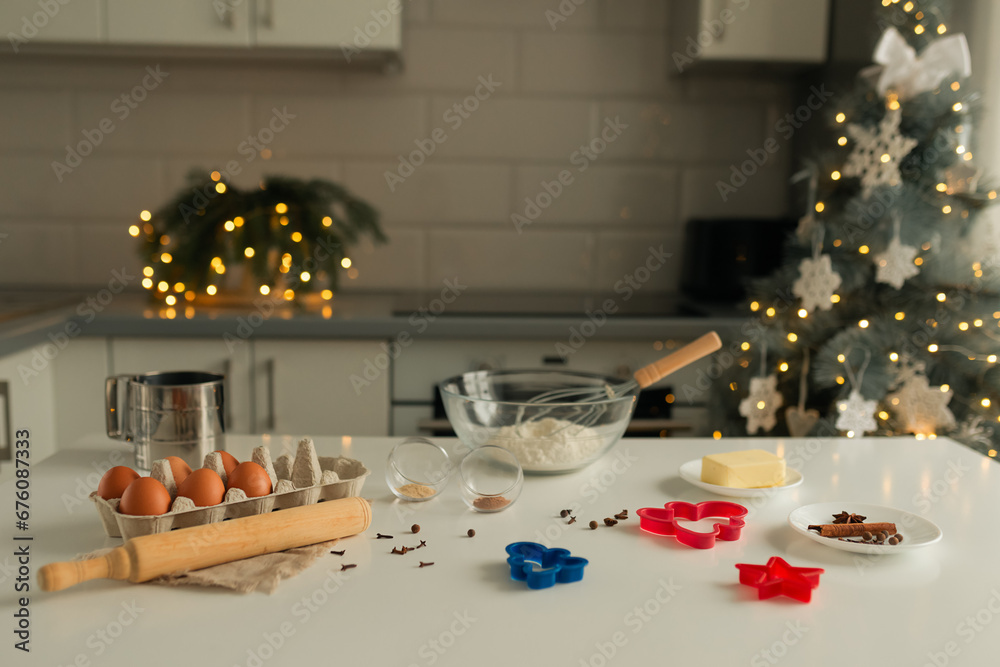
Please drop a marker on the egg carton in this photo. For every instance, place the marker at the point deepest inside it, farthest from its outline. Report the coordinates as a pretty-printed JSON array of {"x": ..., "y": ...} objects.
[{"x": 305, "y": 479}]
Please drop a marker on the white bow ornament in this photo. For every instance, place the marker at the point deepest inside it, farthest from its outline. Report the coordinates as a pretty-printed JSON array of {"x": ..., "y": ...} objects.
[{"x": 900, "y": 70}]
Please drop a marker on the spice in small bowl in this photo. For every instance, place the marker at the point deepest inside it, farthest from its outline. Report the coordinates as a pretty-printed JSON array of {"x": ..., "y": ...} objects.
[
  {"x": 417, "y": 469},
  {"x": 491, "y": 479}
]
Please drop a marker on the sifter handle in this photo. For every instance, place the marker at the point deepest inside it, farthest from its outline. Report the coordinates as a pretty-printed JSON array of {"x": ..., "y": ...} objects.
[
  {"x": 111, "y": 406},
  {"x": 690, "y": 353}
]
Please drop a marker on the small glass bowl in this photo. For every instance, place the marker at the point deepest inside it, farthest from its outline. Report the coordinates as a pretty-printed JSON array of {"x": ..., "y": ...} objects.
[
  {"x": 491, "y": 478},
  {"x": 417, "y": 469}
]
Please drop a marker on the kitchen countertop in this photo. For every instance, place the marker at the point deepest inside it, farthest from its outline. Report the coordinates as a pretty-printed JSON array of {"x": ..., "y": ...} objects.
[
  {"x": 377, "y": 315},
  {"x": 643, "y": 599}
]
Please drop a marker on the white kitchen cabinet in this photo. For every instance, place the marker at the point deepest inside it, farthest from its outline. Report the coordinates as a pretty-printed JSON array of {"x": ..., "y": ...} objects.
[
  {"x": 361, "y": 24},
  {"x": 130, "y": 356},
  {"x": 774, "y": 31},
  {"x": 27, "y": 402},
  {"x": 179, "y": 22},
  {"x": 315, "y": 387},
  {"x": 28, "y": 21},
  {"x": 80, "y": 370},
  {"x": 347, "y": 28}
]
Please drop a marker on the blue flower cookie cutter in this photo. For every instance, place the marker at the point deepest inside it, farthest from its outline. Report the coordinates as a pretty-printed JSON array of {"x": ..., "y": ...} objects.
[{"x": 541, "y": 567}]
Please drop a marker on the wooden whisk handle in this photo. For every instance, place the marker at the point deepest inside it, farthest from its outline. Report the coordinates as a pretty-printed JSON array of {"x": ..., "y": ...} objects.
[{"x": 690, "y": 353}]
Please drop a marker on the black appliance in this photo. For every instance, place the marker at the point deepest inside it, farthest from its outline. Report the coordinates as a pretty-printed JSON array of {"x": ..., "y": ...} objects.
[{"x": 722, "y": 255}]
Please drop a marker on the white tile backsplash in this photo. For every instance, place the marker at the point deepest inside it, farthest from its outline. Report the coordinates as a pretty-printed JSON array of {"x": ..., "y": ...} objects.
[
  {"x": 448, "y": 59},
  {"x": 384, "y": 266},
  {"x": 608, "y": 195},
  {"x": 648, "y": 15},
  {"x": 343, "y": 125},
  {"x": 516, "y": 13},
  {"x": 685, "y": 132},
  {"x": 761, "y": 195},
  {"x": 596, "y": 64},
  {"x": 38, "y": 253},
  {"x": 435, "y": 193},
  {"x": 559, "y": 82},
  {"x": 100, "y": 187},
  {"x": 35, "y": 119},
  {"x": 513, "y": 129},
  {"x": 621, "y": 254},
  {"x": 505, "y": 260},
  {"x": 162, "y": 124}
]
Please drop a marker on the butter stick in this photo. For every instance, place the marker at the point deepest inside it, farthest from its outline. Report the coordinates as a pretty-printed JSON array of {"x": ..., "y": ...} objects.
[
  {"x": 852, "y": 529},
  {"x": 748, "y": 469}
]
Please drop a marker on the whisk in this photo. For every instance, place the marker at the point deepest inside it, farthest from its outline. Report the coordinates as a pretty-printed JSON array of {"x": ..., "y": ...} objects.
[
  {"x": 642, "y": 378},
  {"x": 587, "y": 402}
]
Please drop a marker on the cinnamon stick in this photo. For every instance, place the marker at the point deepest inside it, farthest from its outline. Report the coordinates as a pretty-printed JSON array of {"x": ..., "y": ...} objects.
[{"x": 852, "y": 529}]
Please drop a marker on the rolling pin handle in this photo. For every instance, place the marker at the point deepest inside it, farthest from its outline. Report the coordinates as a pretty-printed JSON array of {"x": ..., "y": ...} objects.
[{"x": 58, "y": 576}]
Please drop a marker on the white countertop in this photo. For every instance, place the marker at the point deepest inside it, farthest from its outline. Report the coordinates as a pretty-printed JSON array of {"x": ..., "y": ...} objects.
[{"x": 643, "y": 599}]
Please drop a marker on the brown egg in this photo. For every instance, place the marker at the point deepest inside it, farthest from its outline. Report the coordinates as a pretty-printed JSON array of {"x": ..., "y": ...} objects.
[
  {"x": 204, "y": 487},
  {"x": 115, "y": 481},
  {"x": 145, "y": 497},
  {"x": 251, "y": 478},
  {"x": 228, "y": 461},
  {"x": 179, "y": 468}
]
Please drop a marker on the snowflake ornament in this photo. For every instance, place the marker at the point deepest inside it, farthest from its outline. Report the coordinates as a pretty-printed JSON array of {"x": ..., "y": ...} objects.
[
  {"x": 816, "y": 283},
  {"x": 895, "y": 265},
  {"x": 857, "y": 416},
  {"x": 921, "y": 407},
  {"x": 906, "y": 369},
  {"x": 877, "y": 154},
  {"x": 760, "y": 407}
]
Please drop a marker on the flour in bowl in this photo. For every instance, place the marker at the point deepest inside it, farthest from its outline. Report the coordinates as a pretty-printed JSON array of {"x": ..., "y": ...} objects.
[{"x": 550, "y": 444}]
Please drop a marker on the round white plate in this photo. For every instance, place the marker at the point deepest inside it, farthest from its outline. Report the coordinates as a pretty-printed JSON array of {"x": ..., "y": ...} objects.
[
  {"x": 916, "y": 530},
  {"x": 691, "y": 472}
]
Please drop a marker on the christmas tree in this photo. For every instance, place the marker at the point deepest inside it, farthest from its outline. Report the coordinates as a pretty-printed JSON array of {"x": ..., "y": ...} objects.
[{"x": 885, "y": 318}]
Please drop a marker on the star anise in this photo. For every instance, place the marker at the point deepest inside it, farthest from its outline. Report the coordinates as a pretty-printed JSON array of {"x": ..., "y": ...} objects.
[{"x": 844, "y": 517}]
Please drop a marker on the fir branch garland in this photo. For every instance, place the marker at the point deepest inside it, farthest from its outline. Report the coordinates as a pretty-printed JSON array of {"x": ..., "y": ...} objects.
[{"x": 289, "y": 234}]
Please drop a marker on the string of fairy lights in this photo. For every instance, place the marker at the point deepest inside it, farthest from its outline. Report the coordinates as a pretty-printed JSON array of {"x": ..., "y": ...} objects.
[
  {"x": 948, "y": 207},
  {"x": 173, "y": 294}
]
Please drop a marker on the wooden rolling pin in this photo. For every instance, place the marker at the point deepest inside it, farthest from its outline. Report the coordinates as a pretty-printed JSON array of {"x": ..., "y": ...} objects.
[{"x": 150, "y": 556}]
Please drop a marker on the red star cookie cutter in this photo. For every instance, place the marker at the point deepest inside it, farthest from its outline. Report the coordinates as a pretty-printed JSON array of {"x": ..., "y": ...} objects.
[
  {"x": 779, "y": 578},
  {"x": 664, "y": 521}
]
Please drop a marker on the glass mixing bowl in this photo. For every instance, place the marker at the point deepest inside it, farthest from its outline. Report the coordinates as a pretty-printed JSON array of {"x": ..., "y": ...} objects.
[{"x": 493, "y": 408}]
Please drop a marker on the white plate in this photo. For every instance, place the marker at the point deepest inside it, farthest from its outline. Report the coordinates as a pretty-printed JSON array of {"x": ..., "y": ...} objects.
[
  {"x": 691, "y": 472},
  {"x": 916, "y": 530}
]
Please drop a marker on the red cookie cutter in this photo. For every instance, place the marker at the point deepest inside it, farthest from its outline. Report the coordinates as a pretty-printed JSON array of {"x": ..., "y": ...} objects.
[
  {"x": 664, "y": 521},
  {"x": 777, "y": 577}
]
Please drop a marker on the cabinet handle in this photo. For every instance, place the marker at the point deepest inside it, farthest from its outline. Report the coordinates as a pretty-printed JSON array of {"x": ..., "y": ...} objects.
[
  {"x": 267, "y": 13},
  {"x": 714, "y": 9},
  {"x": 227, "y": 13},
  {"x": 269, "y": 368}
]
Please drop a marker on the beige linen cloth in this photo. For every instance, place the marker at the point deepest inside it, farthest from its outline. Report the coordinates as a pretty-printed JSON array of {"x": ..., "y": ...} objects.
[{"x": 262, "y": 573}]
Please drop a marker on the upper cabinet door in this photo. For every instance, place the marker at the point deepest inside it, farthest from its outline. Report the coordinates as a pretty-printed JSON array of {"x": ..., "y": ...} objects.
[
  {"x": 180, "y": 22},
  {"x": 26, "y": 21},
  {"x": 775, "y": 31},
  {"x": 358, "y": 24}
]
